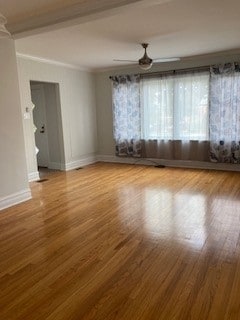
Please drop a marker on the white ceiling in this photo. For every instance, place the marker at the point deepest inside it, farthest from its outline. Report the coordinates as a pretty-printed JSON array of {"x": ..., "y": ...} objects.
[{"x": 173, "y": 28}]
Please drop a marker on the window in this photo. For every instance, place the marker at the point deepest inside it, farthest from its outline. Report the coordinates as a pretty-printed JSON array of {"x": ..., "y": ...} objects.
[{"x": 175, "y": 107}]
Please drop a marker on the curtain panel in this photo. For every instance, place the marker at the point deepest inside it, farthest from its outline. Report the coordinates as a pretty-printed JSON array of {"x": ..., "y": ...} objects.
[
  {"x": 225, "y": 113},
  {"x": 127, "y": 115}
]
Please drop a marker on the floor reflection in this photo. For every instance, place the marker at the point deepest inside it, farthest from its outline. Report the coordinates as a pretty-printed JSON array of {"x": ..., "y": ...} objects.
[
  {"x": 165, "y": 215},
  {"x": 194, "y": 219},
  {"x": 179, "y": 217}
]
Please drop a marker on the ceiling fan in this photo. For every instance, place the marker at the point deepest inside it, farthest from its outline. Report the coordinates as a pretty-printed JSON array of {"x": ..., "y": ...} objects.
[{"x": 146, "y": 62}]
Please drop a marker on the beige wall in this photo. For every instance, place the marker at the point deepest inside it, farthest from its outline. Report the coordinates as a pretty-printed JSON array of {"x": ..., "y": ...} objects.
[
  {"x": 78, "y": 110},
  {"x": 13, "y": 171},
  {"x": 104, "y": 95}
]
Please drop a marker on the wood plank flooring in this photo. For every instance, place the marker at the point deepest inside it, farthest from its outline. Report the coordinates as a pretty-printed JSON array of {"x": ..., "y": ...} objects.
[{"x": 115, "y": 241}]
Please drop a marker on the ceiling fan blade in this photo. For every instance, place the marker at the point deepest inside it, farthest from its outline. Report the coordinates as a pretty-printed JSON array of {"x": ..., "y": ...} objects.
[
  {"x": 166, "y": 59},
  {"x": 122, "y": 60}
]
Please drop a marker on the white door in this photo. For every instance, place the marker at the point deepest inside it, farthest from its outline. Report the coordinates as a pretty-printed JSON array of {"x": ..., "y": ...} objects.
[{"x": 39, "y": 119}]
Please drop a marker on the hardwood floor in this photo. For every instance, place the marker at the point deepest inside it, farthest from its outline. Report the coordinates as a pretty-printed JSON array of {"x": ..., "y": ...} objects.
[{"x": 114, "y": 241}]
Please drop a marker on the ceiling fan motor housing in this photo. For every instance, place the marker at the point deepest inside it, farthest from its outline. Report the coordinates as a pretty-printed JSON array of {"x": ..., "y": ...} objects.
[{"x": 145, "y": 62}]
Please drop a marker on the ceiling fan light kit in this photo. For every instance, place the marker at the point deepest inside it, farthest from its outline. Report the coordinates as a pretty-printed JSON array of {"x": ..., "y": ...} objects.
[{"x": 4, "y": 33}]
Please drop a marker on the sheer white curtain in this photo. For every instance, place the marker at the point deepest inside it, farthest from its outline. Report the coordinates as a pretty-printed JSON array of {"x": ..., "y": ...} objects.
[
  {"x": 157, "y": 108},
  {"x": 175, "y": 107},
  {"x": 175, "y": 115}
]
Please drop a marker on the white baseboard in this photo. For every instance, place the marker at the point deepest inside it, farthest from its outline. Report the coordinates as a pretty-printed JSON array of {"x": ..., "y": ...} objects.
[
  {"x": 33, "y": 176},
  {"x": 171, "y": 163},
  {"x": 80, "y": 163},
  {"x": 15, "y": 198}
]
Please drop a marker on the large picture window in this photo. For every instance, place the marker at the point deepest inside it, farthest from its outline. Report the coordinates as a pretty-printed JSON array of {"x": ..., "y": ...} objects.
[
  {"x": 182, "y": 115},
  {"x": 175, "y": 107}
]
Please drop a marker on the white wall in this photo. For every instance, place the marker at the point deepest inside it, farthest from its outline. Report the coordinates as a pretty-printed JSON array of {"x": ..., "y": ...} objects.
[
  {"x": 104, "y": 96},
  {"x": 13, "y": 171},
  {"x": 78, "y": 110}
]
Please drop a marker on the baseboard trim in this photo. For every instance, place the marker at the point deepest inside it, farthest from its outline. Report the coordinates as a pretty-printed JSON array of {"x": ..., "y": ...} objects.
[
  {"x": 80, "y": 163},
  {"x": 15, "y": 198},
  {"x": 171, "y": 163},
  {"x": 33, "y": 176}
]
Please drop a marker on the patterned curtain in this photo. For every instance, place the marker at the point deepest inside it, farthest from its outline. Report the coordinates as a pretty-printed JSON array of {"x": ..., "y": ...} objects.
[
  {"x": 126, "y": 115},
  {"x": 225, "y": 113}
]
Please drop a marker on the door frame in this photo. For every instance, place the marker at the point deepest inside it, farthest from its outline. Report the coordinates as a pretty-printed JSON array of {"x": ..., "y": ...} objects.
[
  {"x": 39, "y": 86},
  {"x": 60, "y": 133}
]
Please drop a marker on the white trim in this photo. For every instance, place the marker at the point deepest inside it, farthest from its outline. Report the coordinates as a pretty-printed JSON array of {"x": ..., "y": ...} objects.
[
  {"x": 33, "y": 176},
  {"x": 15, "y": 198},
  {"x": 171, "y": 163},
  {"x": 53, "y": 62},
  {"x": 55, "y": 166},
  {"x": 80, "y": 163}
]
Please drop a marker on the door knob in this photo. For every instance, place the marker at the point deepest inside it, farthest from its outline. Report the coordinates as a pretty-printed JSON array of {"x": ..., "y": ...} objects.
[{"x": 42, "y": 130}]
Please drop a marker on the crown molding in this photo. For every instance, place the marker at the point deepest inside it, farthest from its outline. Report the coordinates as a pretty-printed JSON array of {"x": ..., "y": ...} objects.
[
  {"x": 52, "y": 62},
  {"x": 217, "y": 54}
]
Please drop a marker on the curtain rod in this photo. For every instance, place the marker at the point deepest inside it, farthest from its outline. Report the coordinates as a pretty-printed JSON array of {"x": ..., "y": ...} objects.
[
  {"x": 203, "y": 68},
  {"x": 149, "y": 74}
]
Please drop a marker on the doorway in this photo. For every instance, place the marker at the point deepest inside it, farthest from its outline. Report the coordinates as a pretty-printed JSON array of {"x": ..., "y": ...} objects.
[{"x": 47, "y": 126}]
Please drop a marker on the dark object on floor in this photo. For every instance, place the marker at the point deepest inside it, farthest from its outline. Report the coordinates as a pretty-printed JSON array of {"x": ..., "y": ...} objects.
[{"x": 42, "y": 180}]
